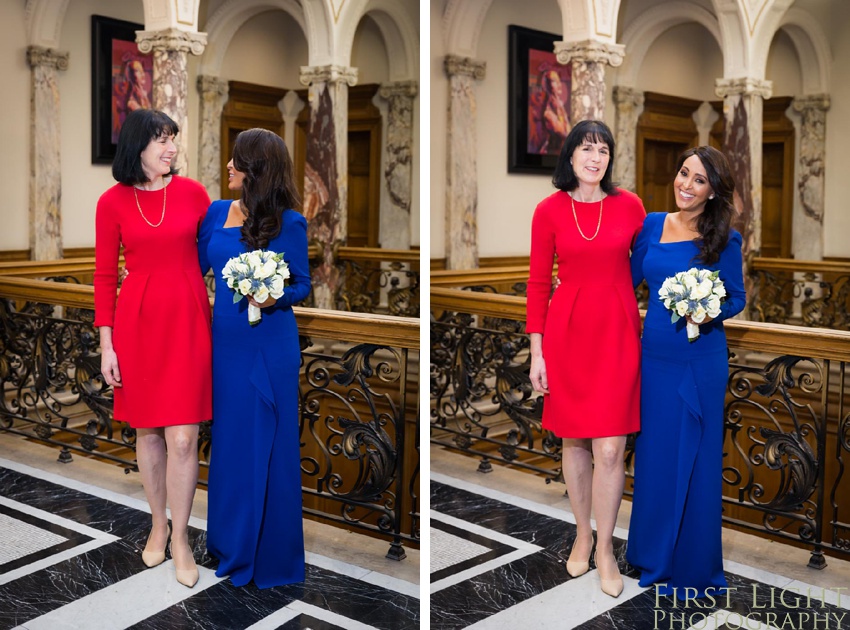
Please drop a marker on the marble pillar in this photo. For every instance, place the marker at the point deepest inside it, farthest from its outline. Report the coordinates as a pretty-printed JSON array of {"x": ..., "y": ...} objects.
[
  {"x": 290, "y": 106},
  {"x": 45, "y": 185},
  {"x": 808, "y": 212},
  {"x": 398, "y": 170},
  {"x": 743, "y": 104},
  {"x": 629, "y": 104},
  {"x": 461, "y": 165},
  {"x": 326, "y": 171},
  {"x": 588, "y": 58},
  {"x": 213, "y": 92},
  {"x": 171, "y": 48},
  {"x": 704, "y": 118}
]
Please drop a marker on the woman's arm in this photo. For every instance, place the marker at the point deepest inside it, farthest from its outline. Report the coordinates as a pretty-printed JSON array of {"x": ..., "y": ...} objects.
[
  {"x": 732, "y": 274},
  {"x": 542, "y": 260},
  {"x": 204, "y": 235},
  {"x": 299, "y": 283}
]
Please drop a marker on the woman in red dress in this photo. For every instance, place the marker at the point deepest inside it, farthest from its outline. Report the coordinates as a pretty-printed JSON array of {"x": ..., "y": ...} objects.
[
  {"x": 585, "y": 348},
  {"x": 155, "y": 338}
]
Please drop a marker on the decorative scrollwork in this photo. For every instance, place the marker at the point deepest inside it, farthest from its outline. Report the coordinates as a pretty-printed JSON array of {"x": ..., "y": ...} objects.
[{"x": 364, "y": 285}]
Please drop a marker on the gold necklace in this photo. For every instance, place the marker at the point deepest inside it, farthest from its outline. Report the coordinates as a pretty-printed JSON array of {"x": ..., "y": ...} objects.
[
  {"x": 598, "y": 223},
  {"x": 162, "y": 218}
]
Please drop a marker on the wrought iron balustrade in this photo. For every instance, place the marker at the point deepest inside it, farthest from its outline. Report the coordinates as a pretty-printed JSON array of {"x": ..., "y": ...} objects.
[
  {"x": 786, "y": 422},
  {"x": 358, "y": 400}
]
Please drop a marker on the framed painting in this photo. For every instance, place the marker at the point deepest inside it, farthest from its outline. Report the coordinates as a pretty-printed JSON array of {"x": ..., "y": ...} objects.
[
  {"x": 122, "y": 81},
  {"x": 539, "y": 117}
]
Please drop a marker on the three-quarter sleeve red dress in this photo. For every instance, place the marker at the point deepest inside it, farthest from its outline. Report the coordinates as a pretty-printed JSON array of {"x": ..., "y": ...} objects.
[
  {"x": 161, "y": 317},
  {"x": 591, "y": 327}
]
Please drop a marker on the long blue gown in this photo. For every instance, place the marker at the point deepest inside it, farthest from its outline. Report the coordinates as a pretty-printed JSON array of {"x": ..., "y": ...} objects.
[
  {"x": 254, "y": 516},
  {"x": 675, "y": 530}
]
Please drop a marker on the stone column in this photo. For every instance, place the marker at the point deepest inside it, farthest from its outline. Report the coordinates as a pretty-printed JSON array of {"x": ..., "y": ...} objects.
[
  {"x": 629, "y": 104},
  {"x": 743, "y": 104},
  {"x": 171, "y": 48},
  {"x": 214, "y": 93},
  {"x": 704, "y": 118},
  {"x": 290, "y": 106},
  {"x": 808, "y": 213},
  {"x": 45, "y": 185},
  {"x": 461, "y": 166},
  {"x": 589, "y": 57},
  {"x": 398, "y": 173},
  {"x": 326, "y": 171}
]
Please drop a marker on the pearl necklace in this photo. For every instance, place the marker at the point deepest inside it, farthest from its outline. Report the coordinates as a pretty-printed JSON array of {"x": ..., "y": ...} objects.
[
  {"x": 162, "y": 218},
  {"x": 598, "y": 223}
]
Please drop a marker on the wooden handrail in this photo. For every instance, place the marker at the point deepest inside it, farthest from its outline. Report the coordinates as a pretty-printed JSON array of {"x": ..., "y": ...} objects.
[
  {"x": 354, "y": 327},
  {"x": 763, "y": 337},
  {"x": 377, "y": 254},
  {"x": 800, "y": 266}
]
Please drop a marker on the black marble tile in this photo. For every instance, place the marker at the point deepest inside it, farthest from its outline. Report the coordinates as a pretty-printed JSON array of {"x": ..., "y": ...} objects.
[
  {"x": 73, "y": 539},
  {"x": 496, "y": 550},
  {"x": 306, "y": 622}
]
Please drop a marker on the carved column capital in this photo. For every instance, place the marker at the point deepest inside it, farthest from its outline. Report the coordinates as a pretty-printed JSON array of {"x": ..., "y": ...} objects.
[
  {"x": 590, "y": 50},
  {"x": 171, "y": 39},
  {"x": 403, "y": 89},
  {"x": 213, "y": 86},
  {"x": 465, "y": 66},
  {"x": 743, "y": 85},
  {"x": 809, "y": 102},
  {"x": 624, "y": 95},
  {"x": 50, "y": 57},
  {"x": 329, "y": 74}
]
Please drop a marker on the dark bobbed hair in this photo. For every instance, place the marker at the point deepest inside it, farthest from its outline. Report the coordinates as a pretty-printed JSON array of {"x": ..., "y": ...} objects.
[
  {"x": 593, "y": 131},
  {"x": 715, "y": 222},
  {"x": 269, "y": 185},
  {"x": 139, "y": 129}
]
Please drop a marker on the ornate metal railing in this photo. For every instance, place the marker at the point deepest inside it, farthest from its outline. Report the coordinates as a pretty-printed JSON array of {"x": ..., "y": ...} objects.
[
  {"x": 358, "y": 402},
  {"x": 378, "y": 281},
  {"x": 787, "y": 420},
  {"x": 807, "y": 293}
]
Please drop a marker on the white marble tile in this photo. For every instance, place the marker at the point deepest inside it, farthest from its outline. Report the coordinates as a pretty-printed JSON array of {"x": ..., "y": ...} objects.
[
  {"x": 838, "y": 595},
  {"x": 58, "y": 520},
  {"x": 149, "y": 592},
  {"x": 359, "y": 573},
  {"x": 330, "y": 617},
  {"x": 483, "y": 531},
  {"x": 759, "y": 575},
  {"x": 275, "y": 620},
  {"x": 392, "y": 583}
]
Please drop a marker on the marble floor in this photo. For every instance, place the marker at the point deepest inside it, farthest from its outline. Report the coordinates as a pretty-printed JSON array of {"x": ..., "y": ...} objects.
[
  {"x": 70, "y": 539},
  {"x": 499, "y": 542}
]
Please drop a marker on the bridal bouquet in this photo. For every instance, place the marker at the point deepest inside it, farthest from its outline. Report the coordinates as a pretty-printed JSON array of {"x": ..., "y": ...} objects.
[
  {"x": 259, "y": 274},
  {"x": 695, "y": 292}
]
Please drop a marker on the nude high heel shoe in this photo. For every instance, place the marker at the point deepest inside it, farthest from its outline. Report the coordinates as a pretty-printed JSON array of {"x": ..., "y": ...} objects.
[
  {"x": 576, "y": 568},
  {"x": 610, "y": 587},
  {"x": 187, "y": 577},
  {"x": 153, "y": 558}
]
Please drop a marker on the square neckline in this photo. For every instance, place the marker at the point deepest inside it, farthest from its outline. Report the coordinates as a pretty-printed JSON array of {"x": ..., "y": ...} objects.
[
  {"x": 661, "y": 233},
  {"x": 230, "y": 227}
]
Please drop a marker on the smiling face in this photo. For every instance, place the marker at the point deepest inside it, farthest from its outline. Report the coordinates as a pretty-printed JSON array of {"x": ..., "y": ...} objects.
[
  {"x": 590, "y": 161},
  {"x": 691, "y": 186},
  {"x": 157, "y": 156},
  {"x": 234, "y": 177}
]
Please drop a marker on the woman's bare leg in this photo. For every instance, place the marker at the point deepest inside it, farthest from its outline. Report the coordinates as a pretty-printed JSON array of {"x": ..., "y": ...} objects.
[
  {"x": 151, "y": 459},
  {"x": 578, "y": 475}
]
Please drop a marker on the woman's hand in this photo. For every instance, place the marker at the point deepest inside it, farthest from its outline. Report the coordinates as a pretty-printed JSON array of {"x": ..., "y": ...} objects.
[
  {"x": 270, "y": 301},
  {"x": 122, "y": 274},
  {"x": 705, "y": 321},
  {"x": 539, "y": 380},
  {"x": 109, "y": 368}
]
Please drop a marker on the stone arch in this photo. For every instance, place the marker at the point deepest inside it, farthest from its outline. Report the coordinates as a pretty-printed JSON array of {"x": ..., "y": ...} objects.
[
  {"x": 44, "y": 20},
  {"x": 642, "y": 33},
  {"x": 398, "y": 32},
  {"x": 462, "y": 21},
  {"x": 811, "y": 44},
  {"x": 233, "y": 14}
]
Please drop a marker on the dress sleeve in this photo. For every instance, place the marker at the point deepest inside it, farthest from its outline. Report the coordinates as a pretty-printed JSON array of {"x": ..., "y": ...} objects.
[
  {"x": 299, "y": 284},
  {"x": 106, "y": 248},
  {"x": 540, "y": 271},
  {"x": 732, "y": 274},
  {"x": 204, "y": 235},
  {"x": 639, "y": 248}
]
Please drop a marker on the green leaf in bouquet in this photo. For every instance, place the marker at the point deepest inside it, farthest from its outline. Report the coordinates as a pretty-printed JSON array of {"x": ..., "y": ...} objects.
[{"x": 237, "y": 296}]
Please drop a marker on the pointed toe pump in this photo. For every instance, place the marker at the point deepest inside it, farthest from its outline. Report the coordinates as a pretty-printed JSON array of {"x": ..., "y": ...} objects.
[
  {"x": 612, "y": 587},
  {"x": 154, "y": 558},
  {"x": 187, "y": 577}
]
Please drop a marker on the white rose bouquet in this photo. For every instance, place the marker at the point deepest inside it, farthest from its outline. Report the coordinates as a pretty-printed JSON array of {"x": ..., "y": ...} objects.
[
  {"x": 695, "y": 292},
  {"x": 260, "y": 274}
]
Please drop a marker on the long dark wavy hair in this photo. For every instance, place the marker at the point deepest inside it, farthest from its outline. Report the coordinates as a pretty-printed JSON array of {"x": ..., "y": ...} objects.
[
  {"x": 593, "y": 131},
  {"x": 715, "y": 222},
  {"x": 269, "y": 185}
]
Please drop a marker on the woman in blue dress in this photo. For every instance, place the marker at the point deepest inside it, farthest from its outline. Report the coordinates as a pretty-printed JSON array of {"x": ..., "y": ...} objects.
[
  {"x": 675, "y": 530},
  {"x": 254, "y": 516}
]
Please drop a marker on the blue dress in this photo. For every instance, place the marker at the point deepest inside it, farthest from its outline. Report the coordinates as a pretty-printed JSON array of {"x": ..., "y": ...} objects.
[
  {"x": 254, "y": 515},
  {"x": 675, "y": 530}
]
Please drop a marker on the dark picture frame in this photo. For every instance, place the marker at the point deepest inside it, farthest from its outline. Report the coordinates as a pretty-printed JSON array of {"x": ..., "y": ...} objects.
[
  {"x": 537, "y": 124},
  {"x": 122, "y": 80}
]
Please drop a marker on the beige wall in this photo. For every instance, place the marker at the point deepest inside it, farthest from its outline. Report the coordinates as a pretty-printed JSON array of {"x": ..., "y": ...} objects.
[{"x": 684, "y": 61}]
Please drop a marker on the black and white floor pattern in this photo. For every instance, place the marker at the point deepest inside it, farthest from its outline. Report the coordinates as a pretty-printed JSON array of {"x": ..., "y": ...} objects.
[
  {"x": 497, "y": 561},
  {"x": 69, "y": 559}
]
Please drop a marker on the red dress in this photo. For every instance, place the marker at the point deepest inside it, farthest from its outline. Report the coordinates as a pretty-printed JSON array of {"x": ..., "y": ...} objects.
[
  {"x": 161, "y": 319},
  {"x": 591, "y": 327}
]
